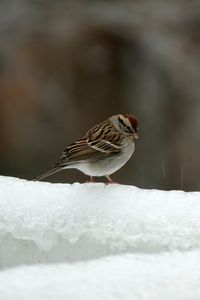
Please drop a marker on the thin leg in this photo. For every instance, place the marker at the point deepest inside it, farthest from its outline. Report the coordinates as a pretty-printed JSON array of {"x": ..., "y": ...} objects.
[
  {"x": 91, "y": 179},
  {"x": 109, "y": 179}
]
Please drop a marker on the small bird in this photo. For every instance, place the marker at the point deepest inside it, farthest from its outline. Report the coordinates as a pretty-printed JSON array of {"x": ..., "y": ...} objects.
[{"x": 104, "y": 149}]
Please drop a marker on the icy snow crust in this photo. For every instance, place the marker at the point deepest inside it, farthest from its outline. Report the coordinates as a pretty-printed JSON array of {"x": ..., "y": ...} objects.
[
  {"x": 125, "y": 243},
  {"x": 167, "y": 276},
  {"x": 43, "y": 222}
]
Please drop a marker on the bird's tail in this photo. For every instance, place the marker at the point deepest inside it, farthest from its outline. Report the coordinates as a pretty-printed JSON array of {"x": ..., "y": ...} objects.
[{"x": 46, "y": 173}]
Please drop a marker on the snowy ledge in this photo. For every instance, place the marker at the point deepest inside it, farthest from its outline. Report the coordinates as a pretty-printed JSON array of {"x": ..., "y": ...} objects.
[{"x": 43, "y": 222}]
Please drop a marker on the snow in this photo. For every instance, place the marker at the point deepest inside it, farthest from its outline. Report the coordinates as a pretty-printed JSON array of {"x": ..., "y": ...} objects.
[
  {"x": 106, "y": 242},
  {"x": 174, "y": 276}
]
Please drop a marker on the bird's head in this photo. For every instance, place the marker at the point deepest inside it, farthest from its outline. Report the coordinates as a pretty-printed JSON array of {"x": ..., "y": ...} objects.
[{"x": 127, "y": 124}]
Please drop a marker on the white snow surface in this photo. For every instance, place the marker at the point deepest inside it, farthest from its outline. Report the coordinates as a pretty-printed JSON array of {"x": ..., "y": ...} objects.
[
  {"x": 53, "y": 221},
  {"x": 164, "y": 276},
  {"x": 106, "y": 242}
]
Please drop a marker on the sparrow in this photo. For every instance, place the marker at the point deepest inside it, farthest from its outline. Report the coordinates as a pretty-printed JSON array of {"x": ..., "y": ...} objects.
[{"x": 103, "y": 150}]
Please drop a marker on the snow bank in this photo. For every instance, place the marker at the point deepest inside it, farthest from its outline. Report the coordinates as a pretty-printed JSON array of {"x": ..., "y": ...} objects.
[
  {"x": 151, "y": 239},
  {"x": 43, "y": 222},
  {"x": 167, "y": 276}
]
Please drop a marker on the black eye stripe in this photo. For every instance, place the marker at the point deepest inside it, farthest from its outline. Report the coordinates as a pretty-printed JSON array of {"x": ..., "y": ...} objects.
[{"x": 122, "y": 122}]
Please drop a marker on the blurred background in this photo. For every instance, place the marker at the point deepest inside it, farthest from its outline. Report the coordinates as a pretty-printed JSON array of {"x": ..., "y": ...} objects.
[{"x": 67, "y": 65}]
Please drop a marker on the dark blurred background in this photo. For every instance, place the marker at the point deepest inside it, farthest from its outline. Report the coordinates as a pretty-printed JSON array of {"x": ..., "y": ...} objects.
[{"x": 66, "y": 65}]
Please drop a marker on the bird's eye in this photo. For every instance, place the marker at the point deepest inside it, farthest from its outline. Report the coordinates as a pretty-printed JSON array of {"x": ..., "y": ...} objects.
[{"x": 129, "y": 129}]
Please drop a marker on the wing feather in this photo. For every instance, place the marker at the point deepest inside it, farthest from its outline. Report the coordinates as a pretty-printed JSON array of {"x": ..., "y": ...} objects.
[{"x": 99, "y": 142}]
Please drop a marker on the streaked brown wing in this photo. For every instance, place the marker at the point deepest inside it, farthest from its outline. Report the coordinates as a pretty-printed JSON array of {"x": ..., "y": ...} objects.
[
  {"x": 104, "y": 146},
  {"x": 105, "y": 138},
  {"x": 78, "y": 152},
  {"x": 99, "y": 142}
]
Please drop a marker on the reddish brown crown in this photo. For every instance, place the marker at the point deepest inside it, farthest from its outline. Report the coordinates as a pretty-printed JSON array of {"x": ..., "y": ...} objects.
[{"x": 133, "y": 120}]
